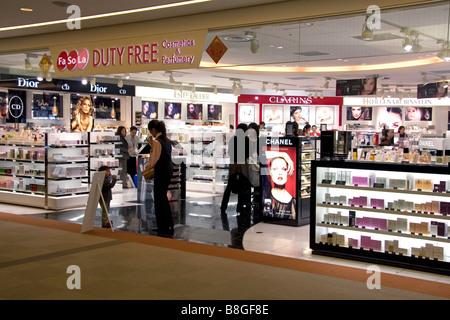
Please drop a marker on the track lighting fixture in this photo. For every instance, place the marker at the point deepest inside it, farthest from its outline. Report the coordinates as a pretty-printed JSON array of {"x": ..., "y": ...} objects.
[
  {"x": 444, "y": 54},
  {"x": 263, "y": 88},
  {"x": 424, "y": 78},
  {"x": 276, "y": 87},
  {"x": 93, "y": 81},
  {"x": 120, "y": 83},
  {"x": 28, "y": 64},
  {"x": 193, "y": 88},
  {"x": 284, "y": 93},
  {"x": 327, "y": 83},
  {"x": 215, "y": 89},
  {"x": 367, "y": 32},
  {"x": 48, "y": 77}
]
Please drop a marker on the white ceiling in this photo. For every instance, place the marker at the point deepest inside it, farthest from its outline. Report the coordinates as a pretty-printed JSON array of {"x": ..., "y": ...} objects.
[{"x": 321, "y": 43}]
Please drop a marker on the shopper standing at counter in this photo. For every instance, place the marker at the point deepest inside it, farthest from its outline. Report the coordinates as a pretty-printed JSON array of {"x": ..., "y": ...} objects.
[
  {"x": 124, "y": 153},
  {"x": 133, "y": 143},
  {"x": 161, "y": 161}
]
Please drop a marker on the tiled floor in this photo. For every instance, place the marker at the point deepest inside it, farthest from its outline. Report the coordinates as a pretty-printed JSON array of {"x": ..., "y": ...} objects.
[{"x": 203, "y": 223}]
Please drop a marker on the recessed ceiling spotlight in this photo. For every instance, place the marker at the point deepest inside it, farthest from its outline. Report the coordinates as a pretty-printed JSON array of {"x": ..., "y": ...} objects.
[{"x": 26, "y": 9}]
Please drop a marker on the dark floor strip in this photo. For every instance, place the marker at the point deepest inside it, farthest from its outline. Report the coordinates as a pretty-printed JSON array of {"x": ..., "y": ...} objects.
[{"x": 59, "y": 253}]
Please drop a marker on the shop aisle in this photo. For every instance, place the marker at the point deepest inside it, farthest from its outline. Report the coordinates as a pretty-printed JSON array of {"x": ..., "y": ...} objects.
[{"x": 267, "y": 248}]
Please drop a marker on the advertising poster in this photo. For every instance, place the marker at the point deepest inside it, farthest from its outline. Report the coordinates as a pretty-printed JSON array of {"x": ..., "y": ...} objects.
[
  {"x": 325, "y": 115},
  {"x": 432, "y": 90},
  {"x": 149, "y": 109},
  {"x": 172, "y": 110},
  {"x": 82, "y": 118},
  {"x": 3, "y": 106},
  {"x": 194, "y": 111},
  {"x": 392, "y": 117},
  {"x": 106, "y": 108},
  {"x": 46, "y": 106},
  {"x": 358, "y": 113},
  {"x": 356, "y": 87},
  {"x": 246, "y": 113},
  {"x": 418, "y": 113},
  {"x": 214, "y": 112},
  {"x": 273, "y": 114},
  {"x": 17, "y": 101},
  {"x": 279, "y": 182},
  {"x": 299, "y": 114}
]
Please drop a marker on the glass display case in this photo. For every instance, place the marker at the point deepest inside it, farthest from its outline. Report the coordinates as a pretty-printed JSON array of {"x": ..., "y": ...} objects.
[{"x": 389, "y": 213}]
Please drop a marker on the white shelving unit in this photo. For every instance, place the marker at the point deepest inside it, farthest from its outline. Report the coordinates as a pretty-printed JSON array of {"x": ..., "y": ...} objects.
[{"x": 390, "y": 213}]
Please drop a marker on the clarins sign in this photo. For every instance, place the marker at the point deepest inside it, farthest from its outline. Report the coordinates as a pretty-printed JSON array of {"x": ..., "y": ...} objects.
[
  {"x": 290, "y": 100},
  {"x": 150, "y": 53}
]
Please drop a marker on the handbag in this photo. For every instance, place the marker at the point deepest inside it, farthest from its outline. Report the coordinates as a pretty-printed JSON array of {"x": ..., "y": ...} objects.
[{"x": 148, "y": 173}]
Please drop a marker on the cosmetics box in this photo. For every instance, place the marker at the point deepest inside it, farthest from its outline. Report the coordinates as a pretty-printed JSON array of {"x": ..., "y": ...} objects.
[
  {"x": 327, "y": 198},
  {"x": 326, "y": 218},
  {"x": 342, "y": 199},
  {"x": 415, "y": 252},
  {"x": 360, "y": 181},
  {"x": 438, "y": 253},
  {"x": 442, "y": 229},
  {"x": 435, "y": 206},
  {"x": 429, "y": 250},
  {"x": 392, "y": 225},
  {"x": 402, "y": 224},
  {"x": 433, "y": 228},
  {"x": 353, "y": 243},
  {"x": 397, "y": 184},
  {"x": 351, "y": 218},
  {"x": 424, "y": 228},
  {"x": 344, "y": 220},
  {"x": 380, "y": 180},
  {"x": 340, "y": 239}
]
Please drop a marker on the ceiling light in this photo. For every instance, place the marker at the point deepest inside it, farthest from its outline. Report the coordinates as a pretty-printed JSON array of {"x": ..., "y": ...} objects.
[
  {"x": 193, "y": 88},
  {"x": 26, "y": 9},
  {"x": 84, "y": 81},
  {"x": 407, "y": 44},
  {"x": 327, "y": 83},
  {"x": 93, "y": 81},
  {"x": 48, "y": 77},
  {"x": 215, "y": 89},
  {"x": 284, "y": 93},
  {"x": 424, "y": 78},
  {"x": 105, "y": 15},
  {"x": 276, "y": 87},
  {"x": 120, "y": 83},
  {"x": 40, "y": 77}
]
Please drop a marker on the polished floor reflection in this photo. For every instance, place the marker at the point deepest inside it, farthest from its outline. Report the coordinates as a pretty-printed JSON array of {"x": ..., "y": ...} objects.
[{"x": 198, "y": 219}]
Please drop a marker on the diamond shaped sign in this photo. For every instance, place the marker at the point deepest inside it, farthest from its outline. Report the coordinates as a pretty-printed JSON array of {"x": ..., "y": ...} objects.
[
  {"x": 45, "y": 64},
  {"x": 216, "y": 49}
]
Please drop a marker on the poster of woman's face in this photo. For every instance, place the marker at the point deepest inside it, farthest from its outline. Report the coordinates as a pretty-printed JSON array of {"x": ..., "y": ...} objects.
[
  {"x": 3, "y": 105},
  {"x": 358, "y": 113},
  {"x": 150, "y": 109},
  {"x": 214, "y": 112},
  {"x": 299, "y": 114},
  {"x": 432, "y": 90},
  {"x": 172, "y": 110},
  {"x": 325, "y": 115},
  {"x": 273, "y": 114},
  {"x": 363, "y": 87},
  {"x": 392, "y": 117},
  {"x": 279, "y": 192},
  {"x": 194, "y": 111},
  {"x": 418, "y": 114}
]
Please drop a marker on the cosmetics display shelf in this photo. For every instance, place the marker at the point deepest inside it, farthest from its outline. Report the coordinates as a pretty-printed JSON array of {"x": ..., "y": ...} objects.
[
  {"x": 46, "y": 173},
  {"x": 103, "y": 151},
  {"x": 403, "y": 221},
  {"x": 207, "y": 158}
]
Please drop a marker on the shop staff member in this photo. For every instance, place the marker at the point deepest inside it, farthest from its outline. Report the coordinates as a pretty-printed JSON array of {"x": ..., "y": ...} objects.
[{"x": 161, "y": 161}]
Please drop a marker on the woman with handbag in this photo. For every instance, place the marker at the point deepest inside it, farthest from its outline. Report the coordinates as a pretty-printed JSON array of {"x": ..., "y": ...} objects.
[{"x": 161, "y": 162}]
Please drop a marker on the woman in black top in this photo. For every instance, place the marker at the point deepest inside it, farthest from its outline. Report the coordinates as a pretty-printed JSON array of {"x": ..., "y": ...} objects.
[
  {"x": 161, "y": 161},
  {"x": 124, "y": 152}
]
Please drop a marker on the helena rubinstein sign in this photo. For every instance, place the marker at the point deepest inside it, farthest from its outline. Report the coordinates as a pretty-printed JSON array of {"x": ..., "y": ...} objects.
[{"x": 395, "y": 101}]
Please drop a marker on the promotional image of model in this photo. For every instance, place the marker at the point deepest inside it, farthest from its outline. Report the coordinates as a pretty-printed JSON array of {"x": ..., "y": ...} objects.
[
  {"x": 279, "y": 186},
  {"x": 82, "y": 116}
]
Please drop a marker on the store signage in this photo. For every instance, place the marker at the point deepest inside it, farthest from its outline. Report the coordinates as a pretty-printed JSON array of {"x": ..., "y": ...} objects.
[
  {"x": 292, "y": 100},
  {"x": 388, "y": 102},
  {"x": 127, "y": 55},
  {"x": 15, "y": 107},
  {"x": 279, "y": 142},
  {"x": 68, "y": 86},
  {"x": 25, "y": 83}
]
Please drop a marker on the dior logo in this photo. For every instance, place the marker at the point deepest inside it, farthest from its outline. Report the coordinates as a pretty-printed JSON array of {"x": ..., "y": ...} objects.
[
  {"x": 97, "y": 89},
  {"x": 21, "y": 82},
  {"x": 15, "y": 107}
]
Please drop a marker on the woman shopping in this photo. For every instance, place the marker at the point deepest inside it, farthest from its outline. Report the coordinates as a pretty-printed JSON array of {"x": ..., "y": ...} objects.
[{"x": 161, "y": 161}]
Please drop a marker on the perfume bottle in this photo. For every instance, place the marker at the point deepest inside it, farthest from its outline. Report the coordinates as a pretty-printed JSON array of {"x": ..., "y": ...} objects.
[{"x": 439, "y": 156}]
